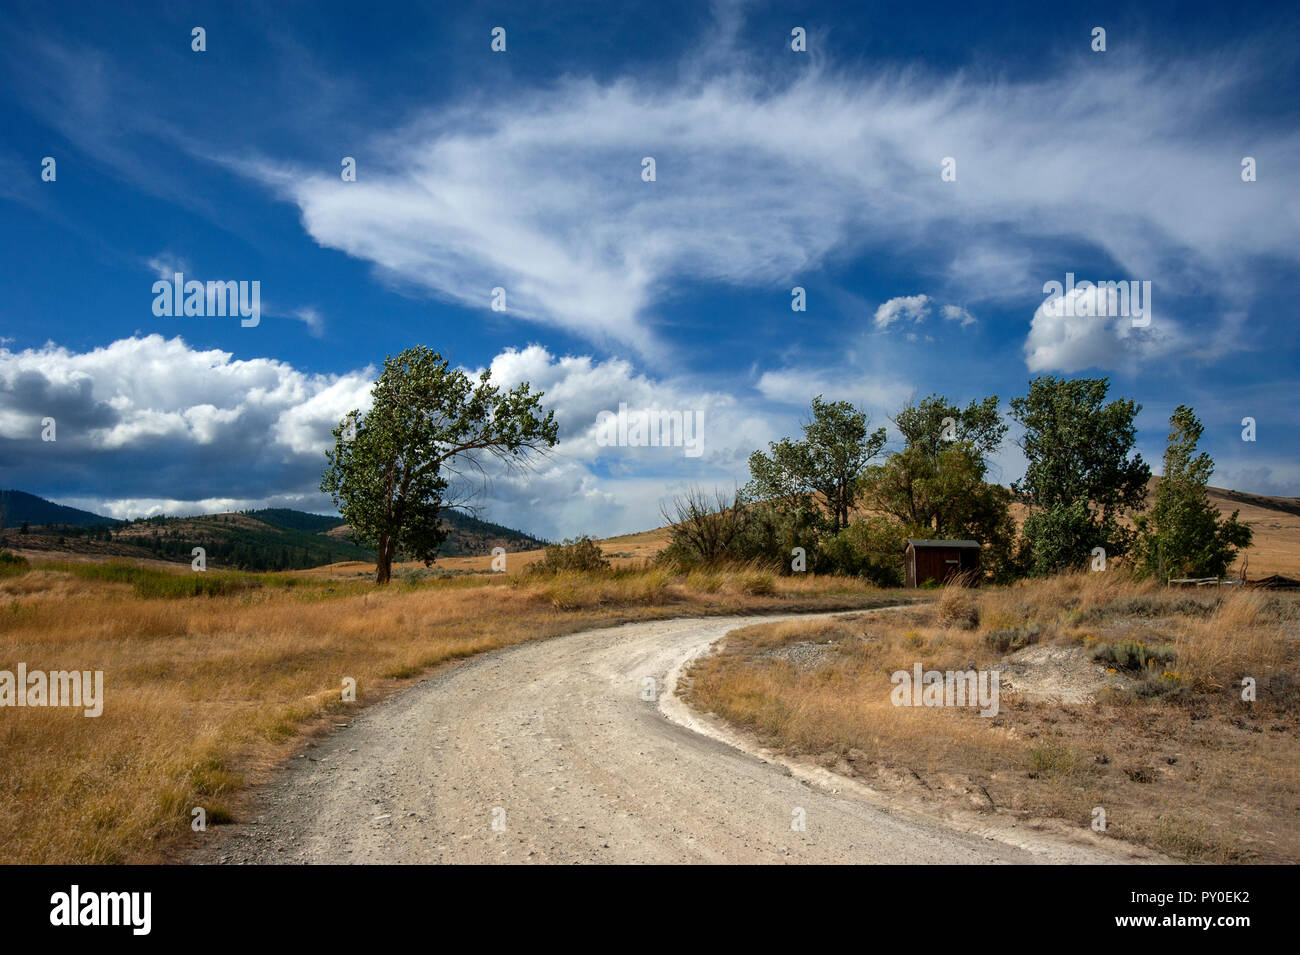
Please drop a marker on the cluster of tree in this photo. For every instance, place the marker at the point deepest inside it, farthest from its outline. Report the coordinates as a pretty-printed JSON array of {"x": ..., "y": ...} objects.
[
  {"x": 241, "y": 553},
  {"x": 391, "y": 472},
  {"x": 94, "y": 532},
  {"x": 1084, "y": 488},
  {"x": 580, "y": 554}
]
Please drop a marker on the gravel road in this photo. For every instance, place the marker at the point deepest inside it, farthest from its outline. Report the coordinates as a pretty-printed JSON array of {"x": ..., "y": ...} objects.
[{"x": 547, "y": 752}]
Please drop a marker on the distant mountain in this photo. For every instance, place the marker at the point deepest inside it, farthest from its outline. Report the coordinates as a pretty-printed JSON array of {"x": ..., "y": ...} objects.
[
  {"x": 273, "y": 538},
  {"x": 19, "y": 506}
]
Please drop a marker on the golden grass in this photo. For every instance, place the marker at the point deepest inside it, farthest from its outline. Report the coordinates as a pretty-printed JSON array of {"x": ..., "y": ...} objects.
[
  {"x": 205, "y": 694},
  {"x": 1178, "y": 760}
]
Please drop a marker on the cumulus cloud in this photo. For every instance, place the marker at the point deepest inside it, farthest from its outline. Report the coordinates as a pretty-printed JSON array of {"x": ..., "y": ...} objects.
[
  {"x": 153, "y": 418},
  {"x": 1085, "y": 328},
  {"x": 583, "y": 486},
  {"x": 911, "y": 307},
  {"x": 158, "y": 426},
  {"x": 916, "y": 309}
]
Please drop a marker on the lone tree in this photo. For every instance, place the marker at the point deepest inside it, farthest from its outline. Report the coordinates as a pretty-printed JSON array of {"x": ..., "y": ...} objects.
[
  {"x": 389, "y": 469},
  {"x": 1081, "y": 480},
  {"x": 1183, "y": 534},
  {"x": 821, "y": 470}
]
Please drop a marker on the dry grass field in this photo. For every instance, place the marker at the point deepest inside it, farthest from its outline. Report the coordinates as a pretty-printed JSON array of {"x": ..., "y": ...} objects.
[
  {"x": 1169, "y": 750},
  {"x": 209, "y": 689},
  {"x": 628, "y": 550},
  {"x": 206, "y": 691}
]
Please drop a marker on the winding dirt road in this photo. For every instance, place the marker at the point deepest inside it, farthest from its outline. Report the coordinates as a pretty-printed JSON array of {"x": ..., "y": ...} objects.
[{"x": 548, "y": 753}]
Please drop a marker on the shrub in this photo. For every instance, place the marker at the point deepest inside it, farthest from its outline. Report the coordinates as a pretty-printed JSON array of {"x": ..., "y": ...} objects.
[
  {"x": 1052, "y": 759},
  {"x": 1133, "y": 655},
  {"x": 704, "y": 582},
  {"x": 870, "y": 548},
  {"x": 756, "y": 583},
  {"x": 1158, "y": 682},
  {"x": 1010, "y": 639},
  {"x": 12, "y": 565},
  {"x": 704, "y": 531},
  {"x": 580, "y": 554}
]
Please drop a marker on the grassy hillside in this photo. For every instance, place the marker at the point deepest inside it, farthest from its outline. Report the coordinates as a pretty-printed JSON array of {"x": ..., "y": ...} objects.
[
  {"x": 469, "y": 538},
  {"x": 267, "y": 539},
  {"x": 320, "y": 541},
  {"x": 290, "y": 519},
  {"x": 238, "y": 541}
]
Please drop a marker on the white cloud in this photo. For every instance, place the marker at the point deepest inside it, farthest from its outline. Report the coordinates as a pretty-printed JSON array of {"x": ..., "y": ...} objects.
[
  {"x": 797, "y": 386},
  {"x": 956, "y": 313},
  {"x": 163, "y": 387},
  {"x": 1083, "y": 329},
  {"x": 542, "y": 194},
  {"x": 912, "y": 307},
  {"x": 311, "y": 318},
  {"x": 916, "y": 309},
  {"x": 165, "y": 265},
  {"x": 169, "y": 428}
]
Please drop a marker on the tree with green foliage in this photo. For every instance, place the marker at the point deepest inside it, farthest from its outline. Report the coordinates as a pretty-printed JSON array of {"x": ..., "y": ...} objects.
[
  {"x": 935, "y": 486},
  {"x": 817, "y": 479},
  {"x": 936, "y": 482},
  {"x": 1183, "y": 535},
  {"x": 390, "y": 469},
  {"x": 935, "y": 424},
  {"x": 1083, "y": 476},
  {"x": 870, "y": 547}
]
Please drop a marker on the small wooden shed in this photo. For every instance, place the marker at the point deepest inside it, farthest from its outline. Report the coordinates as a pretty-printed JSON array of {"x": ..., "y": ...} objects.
[{"x": 926, "y": 560}]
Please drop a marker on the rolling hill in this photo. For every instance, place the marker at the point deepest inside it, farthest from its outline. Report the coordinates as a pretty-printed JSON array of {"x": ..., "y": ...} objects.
[
  {"x": 265, "y": 539},
  {"x": 19, "y": 507},
  {"x": 283, "y": 538}
]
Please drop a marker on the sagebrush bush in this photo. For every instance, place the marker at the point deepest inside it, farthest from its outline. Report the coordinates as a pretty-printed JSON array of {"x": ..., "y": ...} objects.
[
  {"x": 576, "y": 554},
  {"x": 1133, "y": 655},
  {"x": 1010, "y": 639}
]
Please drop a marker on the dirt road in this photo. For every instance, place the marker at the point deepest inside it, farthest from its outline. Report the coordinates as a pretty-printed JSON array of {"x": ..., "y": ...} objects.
[{"x": 547, "y": 752}]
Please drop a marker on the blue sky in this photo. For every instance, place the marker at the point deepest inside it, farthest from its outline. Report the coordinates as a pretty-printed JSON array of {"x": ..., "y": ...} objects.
[{"x": 522, "y": 170}]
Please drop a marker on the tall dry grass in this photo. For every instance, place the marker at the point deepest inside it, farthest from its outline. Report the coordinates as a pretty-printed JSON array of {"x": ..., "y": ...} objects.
[{"x": 204, "y": 693}]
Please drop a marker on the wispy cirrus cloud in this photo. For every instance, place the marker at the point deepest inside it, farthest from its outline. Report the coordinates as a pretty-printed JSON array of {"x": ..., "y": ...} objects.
[{"x": 543, "y": 195}]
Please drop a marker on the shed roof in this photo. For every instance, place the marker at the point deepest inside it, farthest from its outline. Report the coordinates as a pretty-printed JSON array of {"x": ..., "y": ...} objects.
[{"x": 917, "y": 542}]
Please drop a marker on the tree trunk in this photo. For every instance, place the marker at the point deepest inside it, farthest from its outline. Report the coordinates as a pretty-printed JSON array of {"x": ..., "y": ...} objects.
[{"x": 384, "y": 560}]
